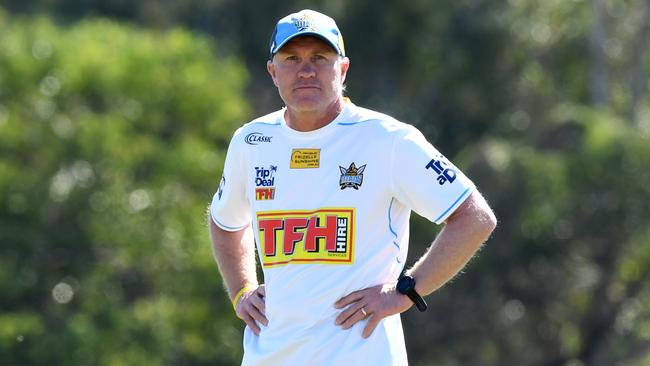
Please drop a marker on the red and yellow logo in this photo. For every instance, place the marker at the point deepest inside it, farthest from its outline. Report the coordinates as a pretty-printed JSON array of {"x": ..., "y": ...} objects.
[
  {"x": 325, "y": 235},
  {"x": 263, "y": 194}
]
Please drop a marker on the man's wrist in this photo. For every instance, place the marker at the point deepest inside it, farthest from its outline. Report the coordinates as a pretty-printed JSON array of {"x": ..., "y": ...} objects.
[
  {"x": 406, "y": 286},
  {"x": 239, "y": 294}
]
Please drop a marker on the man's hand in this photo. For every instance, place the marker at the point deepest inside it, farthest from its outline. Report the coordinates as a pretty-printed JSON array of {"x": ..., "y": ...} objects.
[
  {"x": 374, "y": 303},
  {"x": 251, "y": 308}
]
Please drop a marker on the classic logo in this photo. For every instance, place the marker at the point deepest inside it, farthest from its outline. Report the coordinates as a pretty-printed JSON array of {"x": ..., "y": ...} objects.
[
  {"x": 305, "y": 159},
  {"x": 352, "y": 176},
  {"x": 324, "y": 235},
  {"x": 443, "y": 168},
  {"x": 255, "y": 138}
]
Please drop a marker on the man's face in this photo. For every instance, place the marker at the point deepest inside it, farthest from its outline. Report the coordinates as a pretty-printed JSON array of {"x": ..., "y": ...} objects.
[{"x": 309, "y": 74}]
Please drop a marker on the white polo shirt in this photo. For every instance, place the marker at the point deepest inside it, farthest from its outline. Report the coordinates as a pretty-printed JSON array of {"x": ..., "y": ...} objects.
[{"x": 330, "y": 212}]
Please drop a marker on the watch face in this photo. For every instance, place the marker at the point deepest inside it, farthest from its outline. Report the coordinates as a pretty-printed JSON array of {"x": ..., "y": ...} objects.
[{"x": 405, "y": 284}]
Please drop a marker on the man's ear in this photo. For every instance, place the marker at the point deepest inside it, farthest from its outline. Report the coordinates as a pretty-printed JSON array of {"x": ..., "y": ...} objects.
[
  {"x": 345, "y": 65},
  {"x": 270, "y": 67}
]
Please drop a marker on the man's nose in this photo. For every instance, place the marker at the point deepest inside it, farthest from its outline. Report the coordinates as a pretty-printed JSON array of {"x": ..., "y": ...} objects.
[{"x": 307, "y": 70}]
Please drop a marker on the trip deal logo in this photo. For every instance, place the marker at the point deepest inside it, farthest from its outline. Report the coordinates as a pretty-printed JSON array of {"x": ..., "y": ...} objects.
[
  {"x": 256, "y": 138},
  {"x": 443, "y": 168},
  {"x": 324, "y": 236},
  {"x": 265, "y": 182}
]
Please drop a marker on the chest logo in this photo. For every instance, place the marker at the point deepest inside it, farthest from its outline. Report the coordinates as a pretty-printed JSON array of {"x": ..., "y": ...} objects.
[
  {"x": 352, "y": 177},
  {"x": 325, "y": 235},
  {"x": 256, "y": 138},
  {"x": 305, "y": 159},
  {"x": 265, "y": 183}
]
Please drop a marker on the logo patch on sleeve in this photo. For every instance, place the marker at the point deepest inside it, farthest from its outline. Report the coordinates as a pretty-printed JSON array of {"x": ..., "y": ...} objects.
[
  {"x": 323, "y": 236},
  {"x": 222, "y": 184},
  {"x": 305, "y": 159},
  {"x": 443, "y": 168}
]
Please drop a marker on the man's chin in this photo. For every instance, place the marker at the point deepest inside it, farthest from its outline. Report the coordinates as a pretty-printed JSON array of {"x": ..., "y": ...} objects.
[{"x": 307, "y": 105}]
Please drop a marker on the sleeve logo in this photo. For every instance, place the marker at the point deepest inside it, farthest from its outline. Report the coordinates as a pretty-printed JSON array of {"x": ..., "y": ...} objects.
[
  {"x": 222, "y": 184},
  {"x": 443, "y": 168},
  {"x": 300, "y": 237}
]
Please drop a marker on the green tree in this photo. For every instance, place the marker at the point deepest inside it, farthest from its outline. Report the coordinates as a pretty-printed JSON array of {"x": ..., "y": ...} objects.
[
  {"x": 563, "y": 280},
  {"x": 111, "y": 141}
]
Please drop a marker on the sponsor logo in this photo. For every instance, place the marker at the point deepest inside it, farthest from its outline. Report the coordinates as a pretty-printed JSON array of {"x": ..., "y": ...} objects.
[
  {"x": 222, "y": 184},
  {"x": 443, "y": 168},
  {"x": 265, "y": 177},
  {"x": 303, "y": 22},
  {"x": 255, "y": 138},
  {"x": 265, "y": 182},
  {"x": 324, "y": 235},
  {"x": 352, "y": 177},
  {"x": 264, "y": 194},
  {"x": 305, "y": 159}
]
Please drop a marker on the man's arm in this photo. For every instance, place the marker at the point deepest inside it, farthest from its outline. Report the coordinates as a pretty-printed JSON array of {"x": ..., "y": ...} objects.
[
  {"x": 234, "y": 252},
  {"x": 463, "y": 234}
]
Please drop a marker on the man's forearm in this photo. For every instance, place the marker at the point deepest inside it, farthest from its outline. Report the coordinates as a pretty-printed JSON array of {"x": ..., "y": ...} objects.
[
  {"x": 463, "y": 234},
  {"x": 234, "y": 252}
]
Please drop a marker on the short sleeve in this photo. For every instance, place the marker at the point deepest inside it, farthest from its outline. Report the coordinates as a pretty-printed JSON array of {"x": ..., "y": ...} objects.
[
  {"x": 230, "y": 208},
  {"x": 424, "y": 180}
]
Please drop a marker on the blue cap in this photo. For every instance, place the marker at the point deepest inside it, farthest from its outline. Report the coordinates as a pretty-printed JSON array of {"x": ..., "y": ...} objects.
[{"x": 307, "y": 23}]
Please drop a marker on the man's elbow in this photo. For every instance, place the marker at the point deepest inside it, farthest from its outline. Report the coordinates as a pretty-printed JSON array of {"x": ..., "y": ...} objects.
[
  {"x": 476, "y": 214},
  {"x": 485, "y": 217},
  {"x": 488, "y": 221}
]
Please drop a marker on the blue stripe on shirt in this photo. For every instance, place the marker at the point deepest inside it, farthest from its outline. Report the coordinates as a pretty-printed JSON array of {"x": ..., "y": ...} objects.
[{"x": 452, "y": 205}]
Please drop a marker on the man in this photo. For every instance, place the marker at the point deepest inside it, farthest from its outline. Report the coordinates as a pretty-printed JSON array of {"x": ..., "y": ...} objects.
[{"x": 325, "y": 190}]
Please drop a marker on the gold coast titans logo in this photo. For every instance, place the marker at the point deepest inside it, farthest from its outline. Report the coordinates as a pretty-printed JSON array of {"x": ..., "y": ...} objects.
[
  {"x": 352, "y": 176},
  {"x": 303, "y": 22}
]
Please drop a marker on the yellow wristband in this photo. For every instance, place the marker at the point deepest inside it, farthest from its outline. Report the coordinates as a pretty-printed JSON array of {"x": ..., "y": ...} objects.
[{"x": 238, "y": 296}]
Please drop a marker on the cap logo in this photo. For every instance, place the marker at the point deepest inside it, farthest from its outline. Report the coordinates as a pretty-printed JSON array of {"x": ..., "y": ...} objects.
[{"x": 303, "y": 22}]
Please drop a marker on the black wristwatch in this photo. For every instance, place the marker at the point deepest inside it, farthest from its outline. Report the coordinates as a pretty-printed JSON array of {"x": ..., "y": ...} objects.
[{"x": 406, "y": 286}]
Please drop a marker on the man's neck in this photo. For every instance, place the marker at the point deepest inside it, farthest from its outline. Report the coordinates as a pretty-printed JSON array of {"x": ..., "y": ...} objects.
[{"x": 305, "y": 121}]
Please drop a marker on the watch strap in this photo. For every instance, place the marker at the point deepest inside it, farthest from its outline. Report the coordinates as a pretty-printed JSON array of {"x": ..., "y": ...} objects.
[
  {"x": 417, "y": 300},
  {"x": 410, "y": 292}
]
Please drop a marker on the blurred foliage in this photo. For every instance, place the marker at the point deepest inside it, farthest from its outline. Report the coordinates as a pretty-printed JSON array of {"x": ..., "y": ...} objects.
[
  {"x": 111, "y": 138},
  {"x": 110, "y": 141},
  {"x": 564, "y": 278}
]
